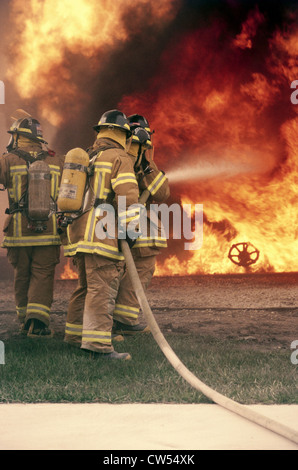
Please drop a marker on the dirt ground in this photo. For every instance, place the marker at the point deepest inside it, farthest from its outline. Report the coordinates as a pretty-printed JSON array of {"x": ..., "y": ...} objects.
[{"x": 259, "y": 309}]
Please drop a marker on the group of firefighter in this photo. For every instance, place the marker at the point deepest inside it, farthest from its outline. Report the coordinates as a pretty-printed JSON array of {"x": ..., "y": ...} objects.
[{"x": 103, "y": 307}]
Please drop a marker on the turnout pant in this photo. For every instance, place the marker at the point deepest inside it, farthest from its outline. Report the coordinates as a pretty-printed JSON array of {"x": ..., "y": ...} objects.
[
  {"x": 89, "y": 319},
  {"x": 34, "y": 271},
  {"x": 127, "y": 308}
]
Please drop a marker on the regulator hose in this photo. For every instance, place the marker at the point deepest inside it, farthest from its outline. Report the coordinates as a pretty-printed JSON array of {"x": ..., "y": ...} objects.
[{"x": 174, "y": 360}]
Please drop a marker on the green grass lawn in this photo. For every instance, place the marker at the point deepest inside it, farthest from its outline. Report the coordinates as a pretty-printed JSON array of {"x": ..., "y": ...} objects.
[{"x": 51, "y": 371}]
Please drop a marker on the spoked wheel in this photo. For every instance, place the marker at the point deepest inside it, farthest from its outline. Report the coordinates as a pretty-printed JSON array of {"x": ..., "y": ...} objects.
[{"x": 243, "y": 254}]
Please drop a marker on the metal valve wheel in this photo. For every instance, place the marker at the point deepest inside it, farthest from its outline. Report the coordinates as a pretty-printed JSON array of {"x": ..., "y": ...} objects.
[{"x": 243, "y": 254}]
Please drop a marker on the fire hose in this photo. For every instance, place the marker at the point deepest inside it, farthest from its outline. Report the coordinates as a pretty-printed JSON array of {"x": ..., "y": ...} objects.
[{"x": 182, "y": 370}]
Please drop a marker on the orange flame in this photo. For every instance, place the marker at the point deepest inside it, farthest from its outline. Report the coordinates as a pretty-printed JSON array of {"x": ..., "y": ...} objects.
[
  {"x": 230, "y": 113},
  {"x": 53, "y": 34},
  {"x": 68, "y": 272},
  {"x": 218, "y": 100}
]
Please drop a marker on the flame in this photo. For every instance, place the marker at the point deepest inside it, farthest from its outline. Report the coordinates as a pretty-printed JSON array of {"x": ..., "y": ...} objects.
[
  {"x": 217, "y": 95},
  {"x": 225, "y": 115},
  {"x": 53, "y": 34},
  {"x": 68, "y": 272}
]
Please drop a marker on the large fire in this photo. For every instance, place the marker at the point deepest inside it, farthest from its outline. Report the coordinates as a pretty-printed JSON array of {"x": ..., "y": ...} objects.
[{"x": 216, "y": 91}]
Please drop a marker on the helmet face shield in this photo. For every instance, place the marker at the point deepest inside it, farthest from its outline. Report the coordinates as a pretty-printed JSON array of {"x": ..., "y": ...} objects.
[
  {"x": 136, "y": 120},
  {"x": 142, "y": 137}
]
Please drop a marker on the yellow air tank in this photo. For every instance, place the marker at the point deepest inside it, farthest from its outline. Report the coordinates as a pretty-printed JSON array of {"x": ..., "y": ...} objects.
[
  {"x": 73, "y": 180},
  {"x": 39, "y": 191}
]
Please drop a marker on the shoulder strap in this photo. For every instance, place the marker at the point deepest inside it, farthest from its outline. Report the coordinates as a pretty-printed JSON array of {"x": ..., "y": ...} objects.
[{"x": 28, "y": 157}]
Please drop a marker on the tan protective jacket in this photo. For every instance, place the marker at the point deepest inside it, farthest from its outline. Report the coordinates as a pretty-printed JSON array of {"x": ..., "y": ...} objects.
[
  {"x": 157, "y": 183},
  {"x": 113, "y": 177},
  {"x": 14, "y": 177}
]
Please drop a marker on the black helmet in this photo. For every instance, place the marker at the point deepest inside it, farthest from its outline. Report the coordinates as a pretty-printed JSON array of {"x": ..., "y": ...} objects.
[
  {"x": 136, "y": 120},
  {"x": 141, "y": 136},
  {"x": 29, "y": 128},
  {"x": 114, "y": 118}
]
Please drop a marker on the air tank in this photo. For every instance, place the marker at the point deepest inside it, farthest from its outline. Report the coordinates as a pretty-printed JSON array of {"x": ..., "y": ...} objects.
[
  {"x": 39, "y": 191},
  {"x": 73, "y": 180}
]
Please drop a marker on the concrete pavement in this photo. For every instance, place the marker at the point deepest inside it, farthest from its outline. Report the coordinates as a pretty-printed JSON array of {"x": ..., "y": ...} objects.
[{"x": 140, "y": 427}]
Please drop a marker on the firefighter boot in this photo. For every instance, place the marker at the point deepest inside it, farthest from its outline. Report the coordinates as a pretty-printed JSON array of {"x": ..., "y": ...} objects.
[
  {"x": 114, "y": 355},
  {"x": 122, "y": 329},
  {"x": 37, "y": 329}
]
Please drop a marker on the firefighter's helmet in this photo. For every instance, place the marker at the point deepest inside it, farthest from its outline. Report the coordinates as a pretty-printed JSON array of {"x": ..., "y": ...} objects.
[
  {"x": 136, "y": 120},
  {"x": 28, "y": 127},
  {"x": 114, "y": 119}
]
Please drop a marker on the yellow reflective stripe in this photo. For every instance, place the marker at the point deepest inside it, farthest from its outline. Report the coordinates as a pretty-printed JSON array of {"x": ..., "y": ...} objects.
[
  {"x": 126, "y": 311},
  {"x": 123, "y": 178},
  {"x": 128, "y": 180},
  {"x": 93, "y": 248},
  {"x": 129, "y": 215},
  {"x": 89, "y": 233},
  {"x": 106, "y": 166},
  {"x": 119, "y": 312},
  {"x": 42, "y": 306},
  {"x": 21, "y": 129},
  {"x": 68, "y": 237},
  {"x": 114, "y": 125},
  {"x": 159, "y": 244},
  {"x": 97, "y": 333},
  {"x": 31, "y": 239},
  {"x": 55, "y": 167},
  {"x": 20, "y": 169},
  {"x": 88, "y": 339},
  {"x": 75, "y": 326},
  {"x": 55, "y": 173},
  {"x": 9, "y": 242},
  {"x": 21, "y": 312},
  {"x": 17, "y": 225},
  {"x": 133, "y": 309},
  {"x": 124, "y": 175},
  {"x": 98, "y": 189},
  {"x": 154, "y": 191},
  {"x": 72, "y": 329},
  {"x": 92, "y": 336},
  {"x": 129, "y": 212},
  {"x": 38, "y": 308},
  {"x": 17, "y": 171},
  {"x": 151, "y": 238},
  {"x": 156, "y": 183},
  {"x": 129, "y": 219},
  {"x": 54, "y": 222}
]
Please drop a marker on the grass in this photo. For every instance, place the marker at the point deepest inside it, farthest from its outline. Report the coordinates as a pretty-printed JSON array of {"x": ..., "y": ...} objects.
[{"x": 51, "y": 371}]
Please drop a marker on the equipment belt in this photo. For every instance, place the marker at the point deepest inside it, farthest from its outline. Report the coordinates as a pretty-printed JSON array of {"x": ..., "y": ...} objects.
[{"x": 75, "y": 166}]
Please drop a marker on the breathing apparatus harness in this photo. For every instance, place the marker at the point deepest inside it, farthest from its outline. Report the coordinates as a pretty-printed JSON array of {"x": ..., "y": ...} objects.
[
  {"x": 38, "y": 224},
  {"x": 82, "y": 172}
]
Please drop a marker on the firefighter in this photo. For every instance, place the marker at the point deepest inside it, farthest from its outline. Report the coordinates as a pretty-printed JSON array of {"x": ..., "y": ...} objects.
[
  {"x": 147, "y": 247},
  {"x": 33, "y": 246},
  {"x": 98, "y": 258}
]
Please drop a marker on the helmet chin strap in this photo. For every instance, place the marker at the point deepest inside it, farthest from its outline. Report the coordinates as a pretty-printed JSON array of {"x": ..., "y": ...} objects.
[
  {"x": 139, "y": 159},
  {"x": 12, "y": 144}
]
